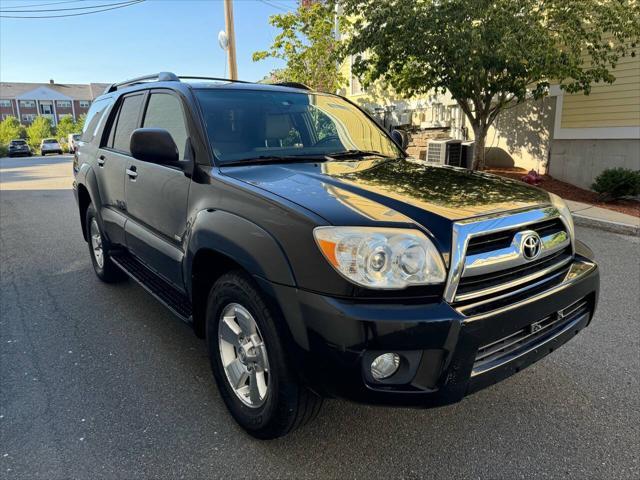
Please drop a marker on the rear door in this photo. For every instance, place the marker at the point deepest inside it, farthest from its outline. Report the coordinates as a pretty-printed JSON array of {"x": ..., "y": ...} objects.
[
  {"x": 157, "y": 195},
  {"x": 113, "y": 158}
]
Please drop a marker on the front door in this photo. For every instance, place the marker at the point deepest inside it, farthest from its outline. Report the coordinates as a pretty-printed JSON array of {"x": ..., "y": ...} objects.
[{"x": 156, "y": 195}]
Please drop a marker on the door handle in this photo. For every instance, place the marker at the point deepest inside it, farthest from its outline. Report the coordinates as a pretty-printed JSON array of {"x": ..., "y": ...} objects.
[
  {"x": 101, "y": 161},
  {"x": 131, "y": 171}
]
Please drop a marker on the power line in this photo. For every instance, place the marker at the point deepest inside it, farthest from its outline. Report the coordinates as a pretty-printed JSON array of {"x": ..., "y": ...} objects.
[
  {"x": 66, "y": 9},
  {"x": 273, "y": 5},
  {"x": 134, "y": 2},
  {"x": 44, "y": 4}
]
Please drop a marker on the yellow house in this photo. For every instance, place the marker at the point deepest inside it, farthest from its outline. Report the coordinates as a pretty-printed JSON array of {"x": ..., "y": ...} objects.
[{"x": 571, "y": 136}]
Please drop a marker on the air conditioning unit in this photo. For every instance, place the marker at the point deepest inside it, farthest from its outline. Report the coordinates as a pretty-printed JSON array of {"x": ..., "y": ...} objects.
[{"x": 443, "y": 152}]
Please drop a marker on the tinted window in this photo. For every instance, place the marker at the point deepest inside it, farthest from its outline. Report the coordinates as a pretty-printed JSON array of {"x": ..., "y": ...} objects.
[
  {"x": 92, "y": 121},
  {"x": 127, "y": 122},
  {"x": 18, "y": 142},
  {"x": 165, "y": 111}
]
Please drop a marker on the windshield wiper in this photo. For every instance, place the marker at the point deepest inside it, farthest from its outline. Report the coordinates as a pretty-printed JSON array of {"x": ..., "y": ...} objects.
[
  {"x": 266, "y": 159},
  {"x": 357, "y": 154}
]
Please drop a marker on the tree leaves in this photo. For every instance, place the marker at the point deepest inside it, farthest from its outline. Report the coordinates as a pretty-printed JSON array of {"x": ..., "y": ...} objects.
[
  {"x": 490, "y": 54},
  {"x": 308, "y": 45}
]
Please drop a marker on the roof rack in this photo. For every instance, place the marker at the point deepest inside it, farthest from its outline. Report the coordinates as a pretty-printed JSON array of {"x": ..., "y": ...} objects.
[
  {"x": 302, "y": 86},
  {"x": 158, "y": 77},
  {"x": 163, "y": 77}
]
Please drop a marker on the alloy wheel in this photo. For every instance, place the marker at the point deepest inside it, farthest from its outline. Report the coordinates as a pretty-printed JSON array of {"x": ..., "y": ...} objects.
[
  {"x": 96, "y": 243},
  {"x": 244, "y": 355}
]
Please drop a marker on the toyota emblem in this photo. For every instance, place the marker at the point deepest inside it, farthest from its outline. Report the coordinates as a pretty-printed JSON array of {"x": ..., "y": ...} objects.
[{"x": 531, "y": 245}]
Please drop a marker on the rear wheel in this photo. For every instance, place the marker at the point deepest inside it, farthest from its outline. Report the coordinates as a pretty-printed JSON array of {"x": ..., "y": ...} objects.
[
  {"x": 105, "y": 269},
  {"x": 249, "y": 364}
]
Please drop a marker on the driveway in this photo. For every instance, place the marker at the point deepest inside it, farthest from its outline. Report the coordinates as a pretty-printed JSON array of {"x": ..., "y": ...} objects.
[{"x": 100, "y": 381}]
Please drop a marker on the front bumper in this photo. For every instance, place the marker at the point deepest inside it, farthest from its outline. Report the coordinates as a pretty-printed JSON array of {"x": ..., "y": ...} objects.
[{"x": 333, "y": 341}]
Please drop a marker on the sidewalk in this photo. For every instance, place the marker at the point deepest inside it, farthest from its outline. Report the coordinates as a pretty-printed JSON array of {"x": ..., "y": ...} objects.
[{"x": 590, "y": 216}]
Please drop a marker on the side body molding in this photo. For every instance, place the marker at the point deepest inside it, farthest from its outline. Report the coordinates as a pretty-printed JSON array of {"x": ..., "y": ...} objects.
[{"x": 242, "y": 241}]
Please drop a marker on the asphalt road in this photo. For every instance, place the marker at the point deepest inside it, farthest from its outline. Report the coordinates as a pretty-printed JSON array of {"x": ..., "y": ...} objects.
[{"x": 100, "y": 381}]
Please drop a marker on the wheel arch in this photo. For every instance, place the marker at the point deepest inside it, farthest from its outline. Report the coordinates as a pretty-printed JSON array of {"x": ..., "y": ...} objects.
[{"x": 220, "y": 241}]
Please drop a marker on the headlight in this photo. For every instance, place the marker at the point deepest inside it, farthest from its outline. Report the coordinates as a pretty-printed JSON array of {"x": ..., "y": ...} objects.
[
  {"x": 386, "y": 258},
  {"x": 565, "y": 213}
]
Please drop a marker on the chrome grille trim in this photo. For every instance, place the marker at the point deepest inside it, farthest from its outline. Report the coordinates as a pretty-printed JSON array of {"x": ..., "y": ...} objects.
[
  {"x": 505, "y": 286},
  {"x": 510, "y": 257},
  {"x": 513, "y": 293},
  {"x": 464, "y": 230}
]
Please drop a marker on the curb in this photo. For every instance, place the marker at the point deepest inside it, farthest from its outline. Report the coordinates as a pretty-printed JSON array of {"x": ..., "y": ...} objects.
[{"x": 607, "y": 225}]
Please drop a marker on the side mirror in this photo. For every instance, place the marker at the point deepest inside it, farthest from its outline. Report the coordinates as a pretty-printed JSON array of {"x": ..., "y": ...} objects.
[
  {"x": 401, "y": 138},
  {"x": 154, "y": 145}
]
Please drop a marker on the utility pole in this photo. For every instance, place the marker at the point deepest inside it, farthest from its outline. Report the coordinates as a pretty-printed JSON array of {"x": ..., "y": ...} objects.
[{"x": 231, "y": 35}]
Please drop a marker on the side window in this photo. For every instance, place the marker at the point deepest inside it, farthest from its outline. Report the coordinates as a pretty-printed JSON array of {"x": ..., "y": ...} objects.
[
  {"x": 165, "y": 111},
  {"x": 126, "y": 123},
  {"x": 92, "y": 121}
]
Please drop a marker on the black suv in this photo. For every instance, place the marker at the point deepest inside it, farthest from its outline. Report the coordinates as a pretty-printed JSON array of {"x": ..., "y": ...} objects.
[
  {"x": 19, "y": 147},
  {"x": 314, "y": 256}
]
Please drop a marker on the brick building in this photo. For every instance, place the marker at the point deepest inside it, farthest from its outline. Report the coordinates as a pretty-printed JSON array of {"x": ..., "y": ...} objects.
[{"x": 25, "y": 101}]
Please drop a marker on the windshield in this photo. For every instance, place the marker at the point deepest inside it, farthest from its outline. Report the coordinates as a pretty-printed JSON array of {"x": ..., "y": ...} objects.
[
  {"x": 18, "y": 142},
  {"x": 50, "y": 141},
  {"x": 248, "y": 124}
]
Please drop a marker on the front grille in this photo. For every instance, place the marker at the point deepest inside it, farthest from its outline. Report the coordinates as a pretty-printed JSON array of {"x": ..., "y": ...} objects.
[
  {"x": 502, "y": 239},
  {"x": 494, "y": 268},
  {"x": 506, "y": 348},
  {"x": 482, "y": 282}
]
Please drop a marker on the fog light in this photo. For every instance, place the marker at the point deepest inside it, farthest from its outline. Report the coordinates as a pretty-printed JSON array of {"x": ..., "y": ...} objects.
[{"x": 385, "y": 365}]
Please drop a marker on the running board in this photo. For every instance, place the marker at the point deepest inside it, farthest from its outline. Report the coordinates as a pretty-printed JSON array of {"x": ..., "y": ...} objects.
[{"x": 166, "y": 293}]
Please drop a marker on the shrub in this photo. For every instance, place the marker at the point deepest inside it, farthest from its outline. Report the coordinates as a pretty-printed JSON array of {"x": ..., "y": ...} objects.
[
  {"x": 4, "y": 151},
  {"x": 66, "y": 126},
  {"x": 38, "y": 130},
  {"x": 10, "y": 129},
  {"x": 616, "y": 183}
]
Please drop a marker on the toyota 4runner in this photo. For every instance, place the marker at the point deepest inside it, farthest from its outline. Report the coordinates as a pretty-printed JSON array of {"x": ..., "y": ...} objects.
[{"x": 316, "y": 257}]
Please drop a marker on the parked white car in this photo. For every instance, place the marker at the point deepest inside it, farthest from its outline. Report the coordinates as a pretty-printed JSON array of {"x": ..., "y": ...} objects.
[{"x": 50, "y": 145}]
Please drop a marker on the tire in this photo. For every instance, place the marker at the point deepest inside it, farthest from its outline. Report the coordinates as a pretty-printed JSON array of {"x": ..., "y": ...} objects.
[
  {"x": 105, "y": 269},
  {"x": 286, "y": 404}
]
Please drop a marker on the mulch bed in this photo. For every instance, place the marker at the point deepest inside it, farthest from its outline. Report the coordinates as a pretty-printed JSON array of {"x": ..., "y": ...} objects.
[{"x": 571, "y": 192}]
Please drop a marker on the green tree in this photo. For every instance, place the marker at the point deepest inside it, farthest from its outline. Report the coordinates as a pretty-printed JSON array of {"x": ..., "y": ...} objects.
[
  {"x": 66, "y": 126},
  {"x": 80, "y": 123},
  {"x": 307, "y": 43},
  {"x": 10, "y": 129},
  {"x": 39, "y": 129},
  {"x": 490, "y": 54}
]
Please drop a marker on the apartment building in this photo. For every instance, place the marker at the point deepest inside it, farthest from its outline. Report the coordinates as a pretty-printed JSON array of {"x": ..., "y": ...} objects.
[{"x": 26, "y": 101}]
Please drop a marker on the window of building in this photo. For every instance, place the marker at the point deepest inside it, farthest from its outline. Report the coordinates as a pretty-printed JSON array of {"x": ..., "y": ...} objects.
[
  {"x": 84, "y": 103},
  {"x": 63, "y": 103},
  {"x": 28, "y": 117},
  {"x": 126, "y": 123},
  {"x": 27, "y": 103},
  {"x": 5, "y": 103},
  {"x": 165, "y": 111}
]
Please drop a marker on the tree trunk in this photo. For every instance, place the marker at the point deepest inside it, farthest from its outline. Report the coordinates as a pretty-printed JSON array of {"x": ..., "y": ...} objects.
[{"x": 480, "y": 134}]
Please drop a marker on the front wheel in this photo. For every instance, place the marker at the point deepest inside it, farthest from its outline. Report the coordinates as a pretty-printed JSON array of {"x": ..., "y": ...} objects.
[
  {"x": 249, "y": 363},
  {"x": 105, "y": 269}
]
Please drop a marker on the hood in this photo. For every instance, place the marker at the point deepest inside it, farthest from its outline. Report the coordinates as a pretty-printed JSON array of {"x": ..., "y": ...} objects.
[{"x": 379, "y": 191}]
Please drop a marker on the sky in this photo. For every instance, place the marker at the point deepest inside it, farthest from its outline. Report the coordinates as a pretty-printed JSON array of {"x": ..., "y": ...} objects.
[{"x": 179, "y": 36}]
